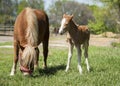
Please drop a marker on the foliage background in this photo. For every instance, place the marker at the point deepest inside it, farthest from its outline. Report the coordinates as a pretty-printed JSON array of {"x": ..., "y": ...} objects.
[{"x": 99, "y": 18}]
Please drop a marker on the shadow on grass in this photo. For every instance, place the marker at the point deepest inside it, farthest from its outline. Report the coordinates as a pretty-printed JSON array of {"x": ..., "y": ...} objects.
[{"x": 50, "y": 70}]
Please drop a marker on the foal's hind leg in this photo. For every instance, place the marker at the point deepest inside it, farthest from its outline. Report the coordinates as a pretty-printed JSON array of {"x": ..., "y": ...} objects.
[
  {"x": 71, "y": 45},
  {"x": 86, "y": 44},
  {"x": 78, "y": 47},
  {"x": 16, "y": 55}
]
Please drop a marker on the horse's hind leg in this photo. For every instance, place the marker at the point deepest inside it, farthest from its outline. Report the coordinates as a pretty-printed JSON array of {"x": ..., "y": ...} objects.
[
  {"x": 16, "y": 55},
  {"x": 37, "y": 58},
  {"x": 70, "y": 51},
  {"x": 45, "y": 50},
  {"x": 86, "y": 44}
]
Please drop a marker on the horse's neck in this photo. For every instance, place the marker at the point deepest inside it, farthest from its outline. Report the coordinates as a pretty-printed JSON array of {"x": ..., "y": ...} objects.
[{"x": 73, "y": 30}]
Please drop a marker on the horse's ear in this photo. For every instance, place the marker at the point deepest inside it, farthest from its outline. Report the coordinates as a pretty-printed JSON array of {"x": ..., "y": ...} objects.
[{"x": 72, "y": 16}]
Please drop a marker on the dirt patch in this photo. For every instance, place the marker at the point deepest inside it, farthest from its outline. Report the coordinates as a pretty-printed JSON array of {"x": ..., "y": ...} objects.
[
  {"x": 6, "y": 38},
  {"x": 58, "y": 40},
  {"x": 95, "y": 40}
]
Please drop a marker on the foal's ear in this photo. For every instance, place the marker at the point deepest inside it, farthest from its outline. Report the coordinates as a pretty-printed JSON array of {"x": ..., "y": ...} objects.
[{"x": 64, "y": 15}]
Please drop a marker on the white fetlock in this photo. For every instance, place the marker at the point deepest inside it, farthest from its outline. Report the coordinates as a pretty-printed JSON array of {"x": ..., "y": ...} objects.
[
  {"x": 66, "y": 69},
  {"x": 80, "y": 69},
  {"x": 12, "y": 72}
]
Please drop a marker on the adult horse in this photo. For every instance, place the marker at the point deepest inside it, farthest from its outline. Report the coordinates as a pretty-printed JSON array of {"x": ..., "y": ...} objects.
[
  {"x": 31, "y": 28},
  {"x": 77, "y": 35}
]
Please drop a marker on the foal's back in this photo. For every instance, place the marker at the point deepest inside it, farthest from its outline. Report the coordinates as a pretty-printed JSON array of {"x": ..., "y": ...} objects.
[{"x": 83, "y": 34}]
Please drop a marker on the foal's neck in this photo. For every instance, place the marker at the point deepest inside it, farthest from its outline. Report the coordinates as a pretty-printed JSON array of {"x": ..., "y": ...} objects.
[{"x": 73, "y": 29}]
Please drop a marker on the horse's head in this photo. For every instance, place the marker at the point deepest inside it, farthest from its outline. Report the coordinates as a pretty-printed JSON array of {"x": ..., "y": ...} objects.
[
  {"x": 65, "y": 23},
  {"x": 27, "y": 58}
]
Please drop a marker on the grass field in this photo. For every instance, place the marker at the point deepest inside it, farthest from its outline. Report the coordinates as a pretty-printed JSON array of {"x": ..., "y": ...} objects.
[{"x": 104, "y": 62}]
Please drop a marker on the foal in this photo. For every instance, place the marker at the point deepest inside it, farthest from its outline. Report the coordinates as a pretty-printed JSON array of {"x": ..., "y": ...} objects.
[{"x": 77, "y": 35}]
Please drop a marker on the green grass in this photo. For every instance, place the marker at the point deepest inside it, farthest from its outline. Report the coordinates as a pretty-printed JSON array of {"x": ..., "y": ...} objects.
[
  {"x": 6, "y": 43},
  {"x": 104, "y": 62},
  {"x": 115, "y": 44}
]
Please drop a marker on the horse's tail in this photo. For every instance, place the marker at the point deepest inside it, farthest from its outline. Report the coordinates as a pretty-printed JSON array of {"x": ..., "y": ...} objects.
[{"x": 29, "y": 53}]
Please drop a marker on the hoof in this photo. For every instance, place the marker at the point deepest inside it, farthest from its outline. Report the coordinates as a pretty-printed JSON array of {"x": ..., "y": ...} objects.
[
  {"x": 44, "y": 67},
  {"x": 12, "y": 74}
]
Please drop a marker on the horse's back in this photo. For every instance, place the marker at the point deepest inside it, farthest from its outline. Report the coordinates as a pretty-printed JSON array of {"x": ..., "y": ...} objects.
[
  {"x": 23, "y": 21},
  {"x": 43, "y": 23},
  {"x": 20, "y": 27}
]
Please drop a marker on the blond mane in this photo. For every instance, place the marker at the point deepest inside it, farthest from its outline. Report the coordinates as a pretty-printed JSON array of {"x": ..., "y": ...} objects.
[{"x": 32, "y": 29}]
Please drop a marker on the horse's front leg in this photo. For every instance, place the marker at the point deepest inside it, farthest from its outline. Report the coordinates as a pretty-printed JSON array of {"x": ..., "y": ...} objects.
[
  {"x": 78, "y": 47},
  {"x": 16, "y": 55},
  {"x": 70, "y": 52}
]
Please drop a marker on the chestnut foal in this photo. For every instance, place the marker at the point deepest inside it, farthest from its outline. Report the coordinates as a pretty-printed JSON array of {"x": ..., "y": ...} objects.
[{"x": 77, "y": 35}]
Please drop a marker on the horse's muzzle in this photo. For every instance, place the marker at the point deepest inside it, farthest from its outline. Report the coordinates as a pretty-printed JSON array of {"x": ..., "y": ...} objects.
[{"x": 25, "y": 70}]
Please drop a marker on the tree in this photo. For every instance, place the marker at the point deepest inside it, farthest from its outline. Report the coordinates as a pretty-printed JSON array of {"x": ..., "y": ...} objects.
[
  {"x": 81, "y": 12},
  {"x": 9, "y": 9},
  {"x": 97, "y": 25},
  {"x": 113, "y": 14},
  {"x": 38, "y": 4},
  {"x": 6, "y": 11}
]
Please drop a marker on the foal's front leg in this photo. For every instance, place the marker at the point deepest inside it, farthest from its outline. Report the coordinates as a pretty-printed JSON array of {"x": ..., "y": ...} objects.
[
  {"x": 78, "y": 47},
  {"x": 71, "y": 45}
]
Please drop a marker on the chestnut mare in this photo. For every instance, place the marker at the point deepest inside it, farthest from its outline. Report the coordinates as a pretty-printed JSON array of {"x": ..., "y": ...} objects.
[
  {"x": 77, "y": 35},
  {"x": 31, "y": 28}
]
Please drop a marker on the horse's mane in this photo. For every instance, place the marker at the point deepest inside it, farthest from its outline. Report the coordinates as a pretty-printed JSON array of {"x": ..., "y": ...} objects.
[{"x": 32, "y": 27}]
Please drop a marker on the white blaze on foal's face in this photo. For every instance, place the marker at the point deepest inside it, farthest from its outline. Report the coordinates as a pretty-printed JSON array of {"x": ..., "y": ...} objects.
[{"x": 63, "y": 26}]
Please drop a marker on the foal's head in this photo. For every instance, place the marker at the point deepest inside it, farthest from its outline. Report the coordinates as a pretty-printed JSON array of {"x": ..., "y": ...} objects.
[{"x": 65, "y": 23}]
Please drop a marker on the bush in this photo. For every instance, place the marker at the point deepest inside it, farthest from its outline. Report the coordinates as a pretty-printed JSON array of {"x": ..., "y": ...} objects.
[{"x": 115, "y": 44}]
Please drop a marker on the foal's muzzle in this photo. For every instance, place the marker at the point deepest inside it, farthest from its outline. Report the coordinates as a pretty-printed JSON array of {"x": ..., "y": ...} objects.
[{"x": 61, "y": 32}]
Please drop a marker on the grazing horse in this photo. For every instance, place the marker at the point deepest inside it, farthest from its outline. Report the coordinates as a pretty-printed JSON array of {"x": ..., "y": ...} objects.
[
  {"x": 31, "y": 28},
  {"x": 77, "y": 35}
]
